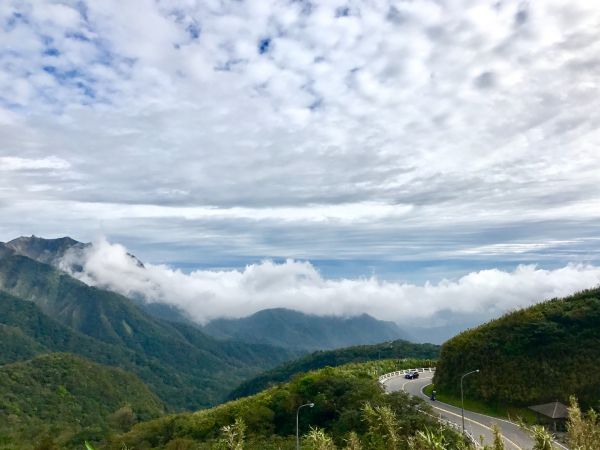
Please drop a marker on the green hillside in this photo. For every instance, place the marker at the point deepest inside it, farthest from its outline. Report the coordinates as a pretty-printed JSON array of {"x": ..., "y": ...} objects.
[
  {"x": 16, "y": 345},
  {"x": 185, "y": 367},
  {"x": 26, "y": 331},
  {"x": 362, "y": 353},
  {"x": 296, "y": 330},
  {"x": 339, "y": 395},
  {"x": 539, "y": 354},
  {"x": 65, "y": 399}
]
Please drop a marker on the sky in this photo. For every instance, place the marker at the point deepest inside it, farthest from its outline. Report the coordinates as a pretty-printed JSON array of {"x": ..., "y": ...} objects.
[{"x": 404, "y": 142}]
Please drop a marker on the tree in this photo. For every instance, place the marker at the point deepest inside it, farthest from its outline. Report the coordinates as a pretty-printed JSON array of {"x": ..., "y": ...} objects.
[
  {"x": 353, "y": 442},
  {"x": 317, "y": 439},
  {"x": 428, "y": 440},
  {"x": 232, "y": 436},
  {"x": 498, "y": 442},
  {"x": 583, "y": 429},
  {"x": 383, "y": 426},
  {"x": 542, "y": 438},
  {"x": 123, "y": 418},
  {"x": 46, "y": 443}
]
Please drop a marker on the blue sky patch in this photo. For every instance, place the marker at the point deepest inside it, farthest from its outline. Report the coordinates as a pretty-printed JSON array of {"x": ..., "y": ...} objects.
[{"x": 264, "y": 45}]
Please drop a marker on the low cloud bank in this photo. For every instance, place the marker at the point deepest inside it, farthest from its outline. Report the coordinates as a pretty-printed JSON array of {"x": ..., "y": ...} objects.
[{"x": 208, "y": 294}]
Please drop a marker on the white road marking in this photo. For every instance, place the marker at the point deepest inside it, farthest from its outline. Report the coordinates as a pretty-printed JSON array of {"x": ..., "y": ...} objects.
[
  {"x": 466, "y": 418},
  {"x": 403, "y": 388},
  {"x": 478, "y": 423}
]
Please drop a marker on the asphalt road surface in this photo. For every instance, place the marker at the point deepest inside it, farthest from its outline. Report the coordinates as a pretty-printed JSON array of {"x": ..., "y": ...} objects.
[{"x": 477, "y": 424}]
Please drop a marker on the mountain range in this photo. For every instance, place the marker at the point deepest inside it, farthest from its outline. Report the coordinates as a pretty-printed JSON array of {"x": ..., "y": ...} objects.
[
  {"x": 44, "y": 309},
  {"x": 278, "y": 326},
  {"x": 82, "y": 363},
  {"x": 296, "y": 330},
  {"x": 51, "y": 311}
]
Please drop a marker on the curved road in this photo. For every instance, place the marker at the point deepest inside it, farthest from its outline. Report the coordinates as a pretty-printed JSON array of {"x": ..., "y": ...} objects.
[{"x": 477, "y": 424}]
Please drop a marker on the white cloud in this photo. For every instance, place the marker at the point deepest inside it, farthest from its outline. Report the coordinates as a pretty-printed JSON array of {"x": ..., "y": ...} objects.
[
  {"x": 208, "y": 294},
  {"x": 380, "y": 130},
  {"x": 8, "y": 163}
]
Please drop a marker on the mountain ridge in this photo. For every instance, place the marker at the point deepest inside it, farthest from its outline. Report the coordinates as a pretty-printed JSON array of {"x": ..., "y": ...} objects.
[
  {"x": 197, "y": 361},
  {"x": 297, "y": 330},
  {"x": 281, "y": 327}
]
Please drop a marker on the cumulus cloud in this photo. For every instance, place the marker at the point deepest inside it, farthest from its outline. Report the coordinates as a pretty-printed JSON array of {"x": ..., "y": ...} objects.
[
  {"x": 331, "y": 129},
  {"x": 208, "y": 294}
]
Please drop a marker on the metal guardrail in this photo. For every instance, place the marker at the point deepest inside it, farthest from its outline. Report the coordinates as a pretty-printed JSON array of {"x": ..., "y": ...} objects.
[
  {"x": 456, "y": 427},
  {"x": 400, "y": 373}
]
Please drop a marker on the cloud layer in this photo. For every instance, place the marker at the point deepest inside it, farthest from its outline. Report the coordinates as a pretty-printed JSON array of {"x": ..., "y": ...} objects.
[
  {"x": 216, "y": 132},
  {"x": 208, "y": 294}
]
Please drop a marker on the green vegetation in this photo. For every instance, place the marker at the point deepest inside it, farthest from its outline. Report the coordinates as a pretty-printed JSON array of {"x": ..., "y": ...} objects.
[
  {"x": 16, "y": 345},
  {"x": 543, "y": 353},
  {"x": 502, "y": 411},
  {"x": 297, "y": 331},
  {"x": 181, "y": 364},
  {"x": 349, "y": 406},
  {"x": 583, "y": 429},
  {"x": 62, "y": 400},
  {"x": 389, "y": 350}
]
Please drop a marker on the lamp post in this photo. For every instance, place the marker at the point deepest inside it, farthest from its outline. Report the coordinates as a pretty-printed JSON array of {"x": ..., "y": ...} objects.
[
  {"x": 297, "y": 414},
  {"x": 462, "y": 398}
]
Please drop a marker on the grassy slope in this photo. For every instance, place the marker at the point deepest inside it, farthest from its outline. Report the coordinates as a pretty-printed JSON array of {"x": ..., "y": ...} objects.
[
  {"x": 362, "y": 353},
  {"x": 68, "y": 397},
  {"x": 540, "y": 354},
  {"x": 184, "y": 366}
]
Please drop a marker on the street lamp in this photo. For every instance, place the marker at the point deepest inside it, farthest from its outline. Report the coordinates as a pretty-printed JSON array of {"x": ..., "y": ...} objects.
[
  {"x": 297, "y": 414},
  {"x": 462, "y": 398}
]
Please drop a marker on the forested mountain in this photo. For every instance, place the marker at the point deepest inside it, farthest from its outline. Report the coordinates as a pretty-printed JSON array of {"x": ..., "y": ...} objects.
[
  {"x": 295, "y": 330},
  {"x": 539, "y": 354},
  {"x": 278, "y": 326},
  {"x": 397, "y": 350},
  {"x": 185, "y": 367},
  {"x": 61, "y": 399}
]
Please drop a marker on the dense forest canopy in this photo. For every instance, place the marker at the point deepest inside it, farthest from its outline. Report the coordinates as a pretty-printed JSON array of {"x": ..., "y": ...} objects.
[{"x": 535, "y": 355}]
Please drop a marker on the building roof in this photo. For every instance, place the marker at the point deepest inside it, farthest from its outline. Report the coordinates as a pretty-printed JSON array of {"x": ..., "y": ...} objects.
[{"x": 554, "y": 410}]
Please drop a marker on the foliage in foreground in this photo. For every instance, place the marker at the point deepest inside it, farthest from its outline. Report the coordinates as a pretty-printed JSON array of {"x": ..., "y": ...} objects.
[
  {"x": 351, "y": 410},
  {"x": 583, "y": 428},
  {"x": 583, "y": 434}
]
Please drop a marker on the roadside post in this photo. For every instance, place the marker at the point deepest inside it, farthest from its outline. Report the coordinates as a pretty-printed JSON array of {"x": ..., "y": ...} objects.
[
  {"x": 297, "y": 431},
  {"x": 462, "y": 398}
]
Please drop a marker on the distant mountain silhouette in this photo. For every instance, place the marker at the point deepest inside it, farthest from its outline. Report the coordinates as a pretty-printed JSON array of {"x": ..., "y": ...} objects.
[{"x": 296, "y": 330}]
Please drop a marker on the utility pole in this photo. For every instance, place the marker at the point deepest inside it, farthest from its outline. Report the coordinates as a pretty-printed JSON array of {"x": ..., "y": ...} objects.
[
  {"x": 462, "y": 398},
  {"x": 297, "y": 414}
]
